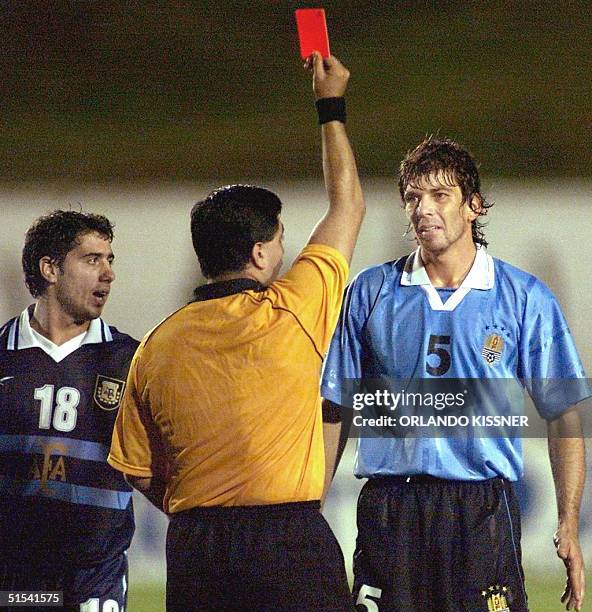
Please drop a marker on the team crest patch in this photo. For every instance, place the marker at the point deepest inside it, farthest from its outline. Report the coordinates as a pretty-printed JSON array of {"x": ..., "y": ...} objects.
[
  {"x": 492, "y": 349},
  {"x": 496, "y": 598},
  {"x": 108, "y": 392}
]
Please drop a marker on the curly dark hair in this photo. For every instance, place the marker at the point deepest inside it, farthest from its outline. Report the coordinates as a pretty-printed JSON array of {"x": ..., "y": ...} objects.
[
  {"x": 54, "y": 235},
  {"x": 456, "y": 165},
  {"x": 227, "y": 224}
]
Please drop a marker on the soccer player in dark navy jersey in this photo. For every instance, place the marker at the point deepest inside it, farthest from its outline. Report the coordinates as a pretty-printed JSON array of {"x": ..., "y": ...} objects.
[{"x": 66, "y": 517}]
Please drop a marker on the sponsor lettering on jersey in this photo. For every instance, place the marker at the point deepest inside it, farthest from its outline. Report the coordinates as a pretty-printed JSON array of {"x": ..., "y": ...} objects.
[{"x": 48, "y": 469}]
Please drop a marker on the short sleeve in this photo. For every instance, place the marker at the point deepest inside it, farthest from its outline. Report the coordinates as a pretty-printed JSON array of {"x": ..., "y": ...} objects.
[
  {"x": 344, "y": 360},
  {"x": 550, "y": 365},
  {"x": 135, "y": 441},
  {"x": 312, "y": 290}
]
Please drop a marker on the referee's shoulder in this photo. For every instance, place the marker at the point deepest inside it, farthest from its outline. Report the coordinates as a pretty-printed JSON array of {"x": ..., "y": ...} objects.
[
  {"x": 169, "y": 324},
  {"x": 370, "y": 276}
]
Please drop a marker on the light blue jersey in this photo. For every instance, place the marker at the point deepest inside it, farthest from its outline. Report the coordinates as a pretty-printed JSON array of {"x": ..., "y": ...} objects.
[{"x": 500, "y": 323}]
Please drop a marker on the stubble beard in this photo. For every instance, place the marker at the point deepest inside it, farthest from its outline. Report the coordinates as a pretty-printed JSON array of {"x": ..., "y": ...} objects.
[{"x": 79, "y": 314}]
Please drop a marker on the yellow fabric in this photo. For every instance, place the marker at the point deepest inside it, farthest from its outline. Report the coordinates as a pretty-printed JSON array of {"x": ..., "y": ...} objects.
[{"x": 223, "y": 396}]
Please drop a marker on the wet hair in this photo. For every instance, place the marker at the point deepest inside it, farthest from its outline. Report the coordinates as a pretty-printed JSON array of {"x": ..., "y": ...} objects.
[
  {"x": 227, "y": 224},
  {"x": 54, "y": 235},
  {"x": 454, "y": 165}
]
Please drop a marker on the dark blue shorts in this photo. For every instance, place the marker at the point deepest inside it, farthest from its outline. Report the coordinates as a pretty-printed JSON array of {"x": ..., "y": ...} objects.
[
  {"x": 432, "y": 545},
  {"x": 101, "y": 588}
]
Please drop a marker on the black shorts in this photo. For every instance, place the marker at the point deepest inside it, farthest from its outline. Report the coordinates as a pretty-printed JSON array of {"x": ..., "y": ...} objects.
[
  {"x": 278, "y": 557},
  {"x": 100, "y": 588},
  {"x": 426, "y": 544}
]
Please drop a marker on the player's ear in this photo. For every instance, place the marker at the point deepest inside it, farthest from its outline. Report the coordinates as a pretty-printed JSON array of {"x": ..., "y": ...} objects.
[
  {"x": 49, "y": 269},
  {"x": 259, "y": 255},
  {"x": 475, "y": 206}
]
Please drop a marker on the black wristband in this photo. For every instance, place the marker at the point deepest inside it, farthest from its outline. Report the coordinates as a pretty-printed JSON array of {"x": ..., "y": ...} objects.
[{"x": 331, "y": 109}]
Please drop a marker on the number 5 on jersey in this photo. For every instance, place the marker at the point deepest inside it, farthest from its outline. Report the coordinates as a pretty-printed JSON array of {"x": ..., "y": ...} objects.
[
  {"x": 364, "y": 598},
  {"x": 64, "y": 412},
  {"x": 436, "y": 347}
]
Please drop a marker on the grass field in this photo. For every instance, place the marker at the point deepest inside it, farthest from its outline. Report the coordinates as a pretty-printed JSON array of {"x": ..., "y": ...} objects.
[{"x": 543, "y": 592}]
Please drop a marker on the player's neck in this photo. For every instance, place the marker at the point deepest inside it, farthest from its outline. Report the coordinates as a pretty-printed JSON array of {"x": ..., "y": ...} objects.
[
  {"x": 449, "y": 268},
  {"x": 249, "y": 272},
  {"x": 54, "y": 324}
]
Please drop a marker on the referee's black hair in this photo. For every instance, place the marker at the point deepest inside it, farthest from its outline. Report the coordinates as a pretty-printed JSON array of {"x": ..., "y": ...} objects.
[
  {"x": 227, "y": 224},
  {"x": 54, "y": 235},
  {"x": 455, "y": 165}
]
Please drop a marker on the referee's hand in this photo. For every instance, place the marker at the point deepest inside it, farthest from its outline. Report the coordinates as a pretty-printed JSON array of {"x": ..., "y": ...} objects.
[
  {"x": 330, "y": 76},
  {"x": 568, "y": 549}
]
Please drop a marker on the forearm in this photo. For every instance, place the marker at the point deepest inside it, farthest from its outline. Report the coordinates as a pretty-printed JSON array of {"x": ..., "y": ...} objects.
[
  {"x": 331, "y": 441},
  {"x": 335, "y": 435},
  {"x": 341, "y": 174},
  {"x": 567, "y": 457},
  {"x": 340, "y": 225}
]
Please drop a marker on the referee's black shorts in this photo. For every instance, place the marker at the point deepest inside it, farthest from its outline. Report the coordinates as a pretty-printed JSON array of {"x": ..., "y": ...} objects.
[
  {"x": 277, "y": 557},
  {"x": 431, "y": 545}
]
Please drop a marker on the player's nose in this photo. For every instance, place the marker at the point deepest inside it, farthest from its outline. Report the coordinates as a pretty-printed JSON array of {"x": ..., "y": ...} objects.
[
  {"x": 425, "y": 206},
  {"x": 107, "y": 273}
]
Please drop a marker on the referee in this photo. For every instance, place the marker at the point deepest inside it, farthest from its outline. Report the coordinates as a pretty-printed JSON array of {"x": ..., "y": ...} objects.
[{"x": 221, "y": 423}]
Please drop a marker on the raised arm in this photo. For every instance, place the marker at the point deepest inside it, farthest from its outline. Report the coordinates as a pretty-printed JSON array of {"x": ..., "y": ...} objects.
[
  {"x": 340, "y": 225},
  {"x": 567, "y": 455}
]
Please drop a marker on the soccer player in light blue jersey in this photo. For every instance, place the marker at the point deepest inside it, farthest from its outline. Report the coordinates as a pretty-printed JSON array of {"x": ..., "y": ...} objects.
[{"x": 438, "y": 519}]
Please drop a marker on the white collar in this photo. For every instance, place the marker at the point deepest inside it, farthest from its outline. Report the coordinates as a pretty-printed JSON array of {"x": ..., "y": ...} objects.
[
  {"x": 22, "y": 336},
  {"x": 481, "y": 276}
]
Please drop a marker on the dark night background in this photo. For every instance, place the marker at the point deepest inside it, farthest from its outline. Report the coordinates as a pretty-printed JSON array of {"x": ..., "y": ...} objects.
[{"x": 198, "y": 90}]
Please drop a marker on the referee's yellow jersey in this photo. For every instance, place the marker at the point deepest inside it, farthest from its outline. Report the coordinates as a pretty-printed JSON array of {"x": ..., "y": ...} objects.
[{"x": 223, "y": 396}]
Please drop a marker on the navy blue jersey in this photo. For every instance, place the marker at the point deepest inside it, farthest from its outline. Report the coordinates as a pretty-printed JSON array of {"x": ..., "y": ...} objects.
[{"x": 60, "y": 502}]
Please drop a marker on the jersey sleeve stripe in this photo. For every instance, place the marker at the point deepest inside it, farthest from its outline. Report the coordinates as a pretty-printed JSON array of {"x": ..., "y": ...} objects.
[
  {"x": 13, "y": 336},
  {"x": 69, "y": 447},
  {"x": 68, "y": 492},
  {"x": 106, "y": 332}
]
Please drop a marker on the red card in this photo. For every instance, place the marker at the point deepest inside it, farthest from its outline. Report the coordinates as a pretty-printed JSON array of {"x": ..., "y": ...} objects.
[{"x": 312, "y": 32}]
